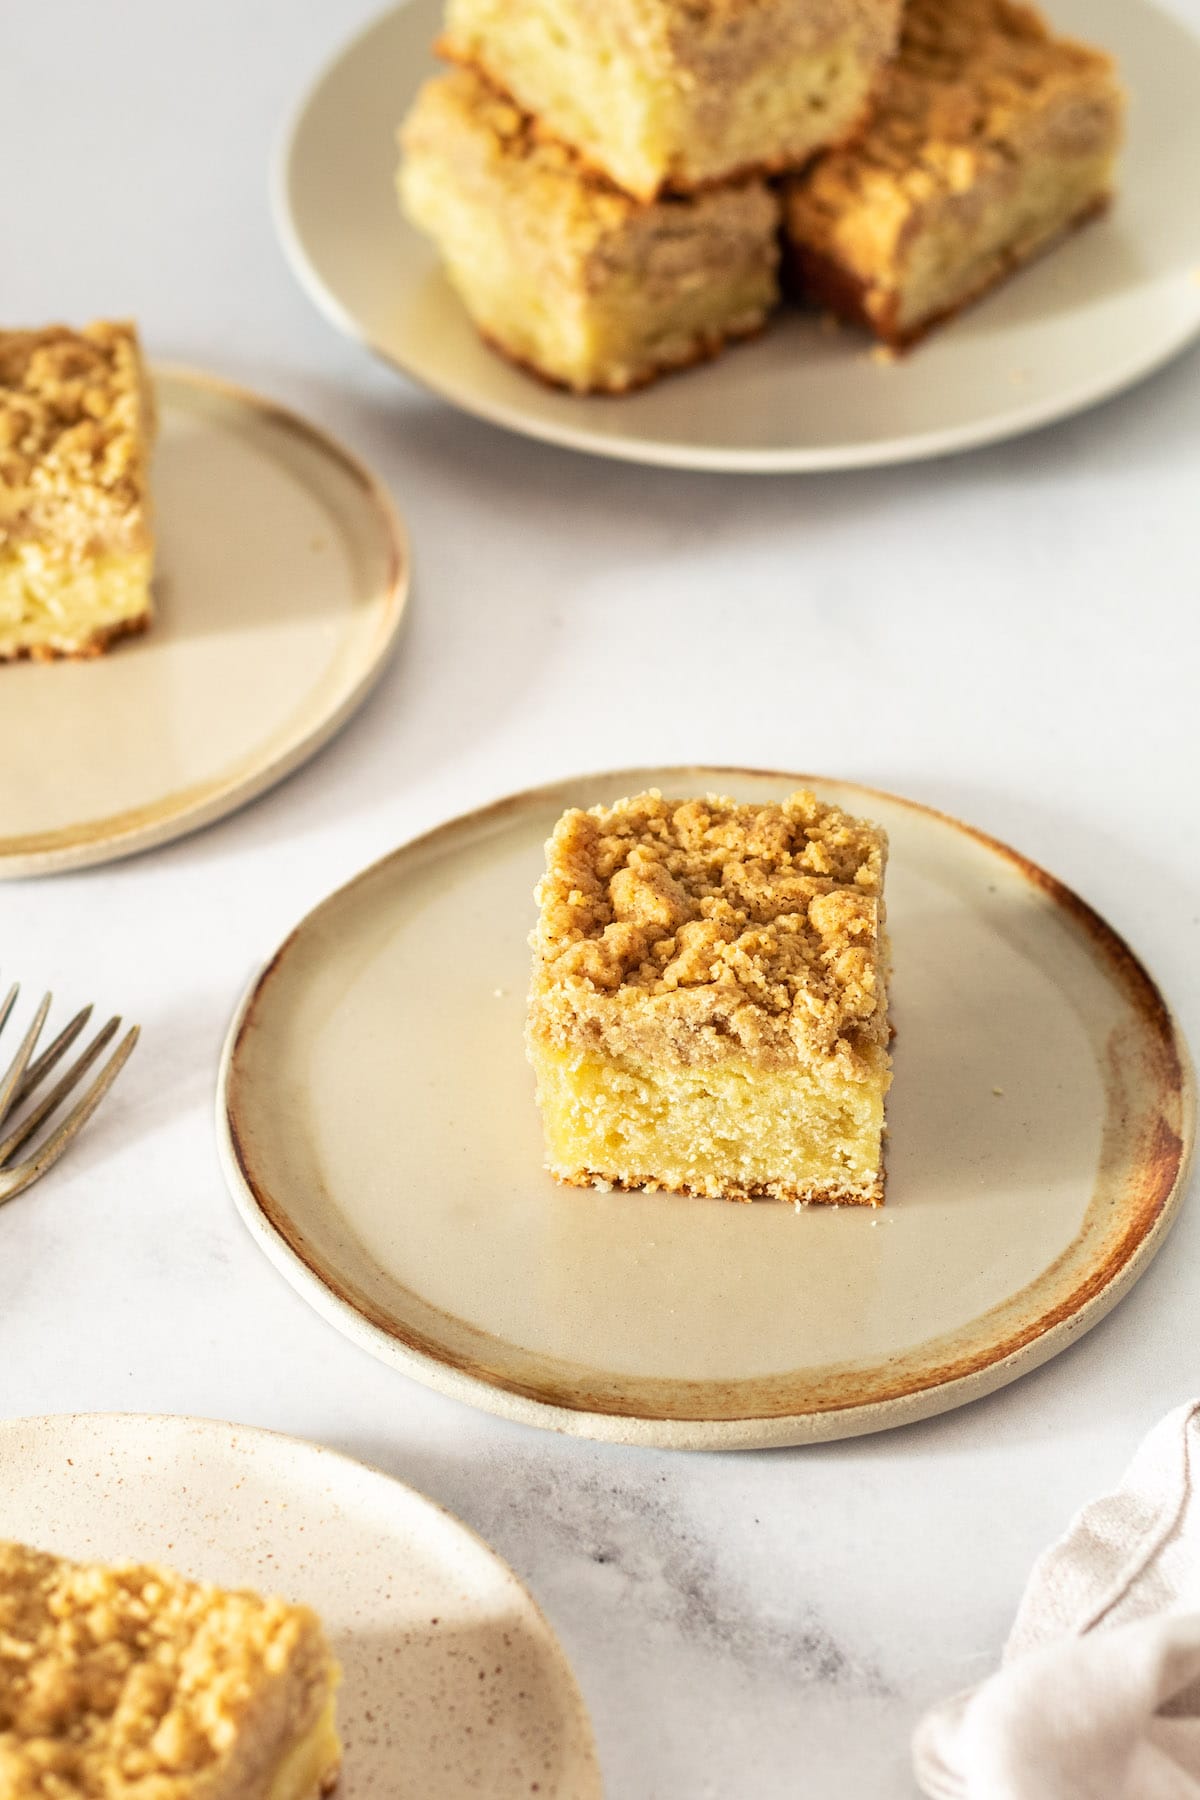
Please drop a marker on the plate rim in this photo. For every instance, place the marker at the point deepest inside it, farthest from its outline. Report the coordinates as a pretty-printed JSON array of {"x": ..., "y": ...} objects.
[
  {"x": 751, "y": 1431},
  {"x": 89, "y": 843},
  {"x": 210, "y": 1426},
  {"x": 1109, "y": 381}
]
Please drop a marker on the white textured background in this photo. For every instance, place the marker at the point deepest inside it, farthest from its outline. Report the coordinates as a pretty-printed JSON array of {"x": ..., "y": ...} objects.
[{"x": 1012, "y": 636}]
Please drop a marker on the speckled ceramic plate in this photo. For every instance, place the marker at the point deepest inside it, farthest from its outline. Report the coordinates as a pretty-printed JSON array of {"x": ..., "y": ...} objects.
[
  {"x": 281, "y": 579},
  {"x": 1104, "y": 310},
  {"x": 454, "y": 1684},
  {"x": 378, "y": 1129}
]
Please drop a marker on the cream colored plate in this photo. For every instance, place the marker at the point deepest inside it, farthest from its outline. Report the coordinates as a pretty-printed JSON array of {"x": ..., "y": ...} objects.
[
  {"x": 378, "y": 1129},
  {"x": 282, "y": 574},
  {"x": 454, "y": 1684},
  {"x": 1103, "y": 311}
]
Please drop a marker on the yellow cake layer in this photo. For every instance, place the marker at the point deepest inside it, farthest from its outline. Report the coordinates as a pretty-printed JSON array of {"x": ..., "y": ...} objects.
[
  {"x": 590, "y": 288},
  {"x": 730, "y": 1130},
  {"x": 659, "y": 94},
  {"x": 53, "y": 606},
  {"x": 310, "y": 1767}
]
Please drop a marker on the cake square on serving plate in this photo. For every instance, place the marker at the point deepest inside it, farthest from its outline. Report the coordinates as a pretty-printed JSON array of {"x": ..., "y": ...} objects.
[
  {"x": 559, "y": 269},
  {"x": 677, "y": 94},
  {"x": 991, "y": 139},
  {"x": 135, "y": 1681},
  {"x": 76, "y": 550},
  {"x": 708, "y": 1007}
]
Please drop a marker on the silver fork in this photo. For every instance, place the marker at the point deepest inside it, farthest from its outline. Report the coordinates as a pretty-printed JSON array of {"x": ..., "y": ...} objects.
[{"x": 26, "y": 1072}]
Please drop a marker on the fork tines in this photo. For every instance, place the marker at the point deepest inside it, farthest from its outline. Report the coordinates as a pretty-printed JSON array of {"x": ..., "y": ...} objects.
[{"x": 25, "y": 1075}]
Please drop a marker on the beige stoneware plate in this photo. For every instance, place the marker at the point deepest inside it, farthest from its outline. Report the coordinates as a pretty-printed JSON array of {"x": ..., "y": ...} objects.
[
  {"x": 281, "y": 581},
  {"x": 1103, "y": 311},
  {"x": 424, "y": 1618},
  {"x": 378, "y": 1130}
]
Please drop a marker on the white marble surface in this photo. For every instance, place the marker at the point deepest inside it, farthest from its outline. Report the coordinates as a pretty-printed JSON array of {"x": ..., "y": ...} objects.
[{"x": 1012, "y": 636}]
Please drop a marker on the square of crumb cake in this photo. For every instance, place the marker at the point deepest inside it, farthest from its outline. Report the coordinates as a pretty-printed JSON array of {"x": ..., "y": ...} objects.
[
  {"x": 76, "y": 551},
  {"x": 708, "y": 1011},
  {"x": 677, "y": 94},
  {"x": 563, "y": 272},
  {"x": 135, "y": 1681},
  {"x": 991, "y": 139}
]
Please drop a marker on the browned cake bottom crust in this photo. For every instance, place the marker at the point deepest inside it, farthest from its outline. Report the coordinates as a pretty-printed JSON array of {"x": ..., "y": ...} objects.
[
  {"x": 589, "y": 1178},
  {"x": 101, "y": 640},
  {"x": 816, "y": 279},
  {"x": 712, "y": 346}
]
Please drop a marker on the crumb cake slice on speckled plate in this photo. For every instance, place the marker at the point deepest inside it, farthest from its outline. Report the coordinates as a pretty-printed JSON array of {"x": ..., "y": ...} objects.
[
  {"x": 678, "y": 94},
  {"x": 135, "y": 1682},
  {"x": 559, "y": 269},
  {"x": 708, "y": 1010},
  {"x": 991, "y": 139},
  {"x": 76, "y": 551}
]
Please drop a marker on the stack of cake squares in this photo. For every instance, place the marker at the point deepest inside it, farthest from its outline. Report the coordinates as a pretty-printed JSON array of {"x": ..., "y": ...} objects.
[
  {"x": 595, "y": 175},
  {"x": 609, "y": 183}
]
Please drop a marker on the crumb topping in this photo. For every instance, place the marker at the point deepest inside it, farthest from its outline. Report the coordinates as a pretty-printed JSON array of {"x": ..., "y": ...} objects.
[
  {"x": 134, "y": 1679},
  {"x": 462, "y": 105},
  {"x": 967, "y": 73},
  {"x": 728, "y": 41},
  {"x": 76, "y": 421},
  {"x": 462, "y": 115},
  {"x": 703, "y": 928}
]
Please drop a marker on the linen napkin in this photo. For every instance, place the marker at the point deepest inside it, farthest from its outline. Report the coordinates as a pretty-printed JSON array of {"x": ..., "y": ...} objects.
[{"x": 1098, "y": 1693}]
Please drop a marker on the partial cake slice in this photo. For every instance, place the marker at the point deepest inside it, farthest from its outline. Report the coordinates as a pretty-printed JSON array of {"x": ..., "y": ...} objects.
[
  {"x": 678, "y": 94},
  {"x": 134, "y": 1681},
  {"x": 76, "y": 550},
  {"x": 991, "y": 140},
  {"x": 561, "y": 271},
  {"x": 708, "y": 1010}
]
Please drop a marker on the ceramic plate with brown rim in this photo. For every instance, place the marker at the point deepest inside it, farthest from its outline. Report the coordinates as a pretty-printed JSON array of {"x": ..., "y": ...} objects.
[
  {"x": 378, "y": 1130},
  {"x": 282, "y": 570},
  {"x": 453, "y": 1682}
]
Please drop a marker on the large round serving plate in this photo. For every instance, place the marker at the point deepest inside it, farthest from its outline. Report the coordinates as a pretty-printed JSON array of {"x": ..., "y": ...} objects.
[
  {"x": 1101, "y": 312},
  {"x": 453, "y": 1682},
  {"x": 378, "y": 1129},
  {"x": 280, "y": 583}
]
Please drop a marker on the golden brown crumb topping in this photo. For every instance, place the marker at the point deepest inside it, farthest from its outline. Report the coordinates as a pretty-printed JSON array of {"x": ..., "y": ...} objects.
[
  {"x": 76, "y": 420},
  {"x": 705, "y": 928},
  {"x": 726, "y": 41},
  {"x": 967, "y": 75},
  {"x": 134, "y": 1680},
  {"x": 462, "y": 106},
  {"x": 462, "y": 117}
]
